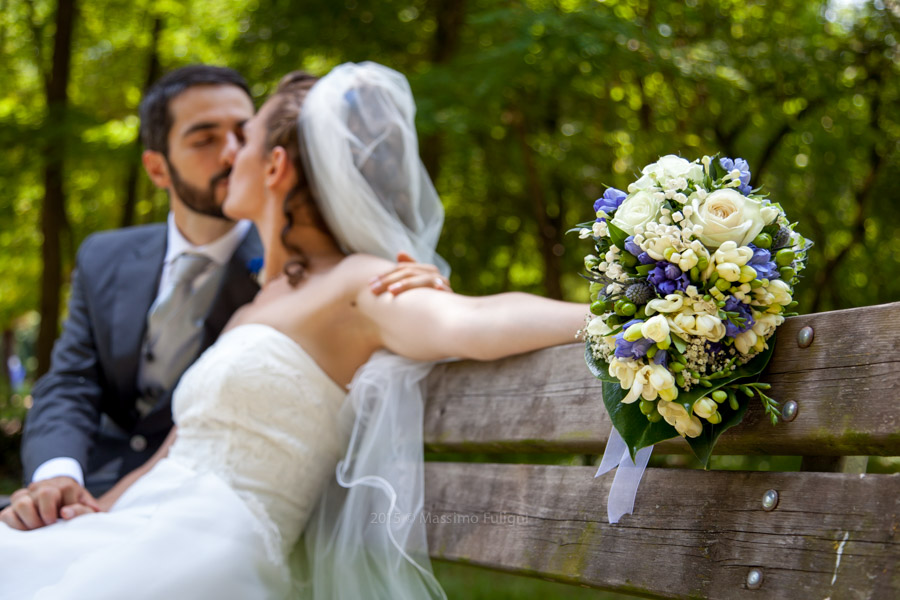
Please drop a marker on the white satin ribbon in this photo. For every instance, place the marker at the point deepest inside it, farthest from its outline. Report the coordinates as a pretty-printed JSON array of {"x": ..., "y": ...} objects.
[{"x": 628, "y": 475}]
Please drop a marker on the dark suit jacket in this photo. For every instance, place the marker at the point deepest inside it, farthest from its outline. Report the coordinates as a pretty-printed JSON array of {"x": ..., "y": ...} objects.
[{"x": 84, "y": 407}]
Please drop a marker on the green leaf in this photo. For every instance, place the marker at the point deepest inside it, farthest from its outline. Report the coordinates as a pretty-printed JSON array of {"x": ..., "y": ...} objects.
[
  {"x": 598, "y": 368},
  {"x": 644, "y": 270},
  {"x": 617, "y": 236},
  {"x": 631, "y": 423},
  {"x": 679, "y": 343},
  {"x": 702, "y": 446}
]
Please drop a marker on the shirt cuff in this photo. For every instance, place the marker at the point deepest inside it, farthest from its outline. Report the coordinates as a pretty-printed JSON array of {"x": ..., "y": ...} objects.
[{"x": 59, "y": 467}]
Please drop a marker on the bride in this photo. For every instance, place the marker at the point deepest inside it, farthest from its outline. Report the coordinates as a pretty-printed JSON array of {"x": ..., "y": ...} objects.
[{"x": 302, "y": 418}]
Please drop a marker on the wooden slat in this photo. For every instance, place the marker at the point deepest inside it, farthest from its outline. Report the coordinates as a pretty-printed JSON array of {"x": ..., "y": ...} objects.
[
  {"x": 693, "y": 533},
  {"x": 847, "y": 385}
]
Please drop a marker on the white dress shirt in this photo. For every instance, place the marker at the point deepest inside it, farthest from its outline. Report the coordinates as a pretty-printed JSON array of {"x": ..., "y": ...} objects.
[{"x": 219, "y": 252}]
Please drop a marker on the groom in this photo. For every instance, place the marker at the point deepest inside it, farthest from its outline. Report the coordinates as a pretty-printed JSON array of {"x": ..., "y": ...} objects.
[{"x": 146, "y": 301}]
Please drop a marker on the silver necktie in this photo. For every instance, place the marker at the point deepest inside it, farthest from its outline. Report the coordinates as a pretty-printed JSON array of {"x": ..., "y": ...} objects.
[{"x": 174, "y": 330}]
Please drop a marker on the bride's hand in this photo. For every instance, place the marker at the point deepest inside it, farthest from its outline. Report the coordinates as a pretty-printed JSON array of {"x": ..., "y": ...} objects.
[{"x": 407, "y": 275}]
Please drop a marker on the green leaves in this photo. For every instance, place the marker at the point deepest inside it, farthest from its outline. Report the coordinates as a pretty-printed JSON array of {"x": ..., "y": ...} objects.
[
  {"x": 617, "y": 236},
  {"x": 638, "y": 432}
]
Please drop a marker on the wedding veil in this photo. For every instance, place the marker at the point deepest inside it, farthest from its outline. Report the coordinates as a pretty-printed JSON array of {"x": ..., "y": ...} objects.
[{"x": 366, "y": 539}]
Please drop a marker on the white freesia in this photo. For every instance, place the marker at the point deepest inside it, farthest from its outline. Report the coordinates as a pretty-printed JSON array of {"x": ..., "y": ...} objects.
[
  {"x": 727, "y": 215},
  {"x": 705, "y": 407},
  {"x": 745, "y": 341},
  {"x": 766, "y": 323},
  {"x": 688, "y": 260},
  {"x": 638, "y": 385},
  {"x": 599, "y": 229},
  {"x": 655, "y": 328},
  {"x": 728, "y": 271},
  {"x": 656, "y": 247},
  {"x": 624, "y": 371},
  {"x": 660, "y": 378},
  {"x": 677, "y": 416},
  {"x": 730, "y": 252},
  {"x": 781, "y": 291},
  {"x": 700, "y": 324},
  {"x": 636, "y": 210},
  {"x": 671, "y": 303}
]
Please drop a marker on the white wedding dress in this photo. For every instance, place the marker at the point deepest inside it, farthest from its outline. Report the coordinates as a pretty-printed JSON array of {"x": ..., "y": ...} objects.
[{"x": 259, "y": 435}]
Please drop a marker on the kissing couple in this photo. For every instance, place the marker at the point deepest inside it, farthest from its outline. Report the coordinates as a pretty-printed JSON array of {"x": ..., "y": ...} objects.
[{"x": 304, "y": 418}]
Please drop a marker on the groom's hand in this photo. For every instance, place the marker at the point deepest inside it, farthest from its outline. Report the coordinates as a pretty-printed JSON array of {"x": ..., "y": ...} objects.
[
  {"x": 409, "y": 274},
  {"x": 43, "y": 502}
]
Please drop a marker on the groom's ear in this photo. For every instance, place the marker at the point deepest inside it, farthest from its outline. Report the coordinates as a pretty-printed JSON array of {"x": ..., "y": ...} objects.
[
  {"x": 157, "y": 169},
  {"x": 278, "y": 168}
]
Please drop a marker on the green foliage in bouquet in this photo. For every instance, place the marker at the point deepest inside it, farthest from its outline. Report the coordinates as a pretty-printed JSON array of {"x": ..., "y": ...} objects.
[
  {"x": 693, "y": 271},
  {"x": 639, "y": 432}
]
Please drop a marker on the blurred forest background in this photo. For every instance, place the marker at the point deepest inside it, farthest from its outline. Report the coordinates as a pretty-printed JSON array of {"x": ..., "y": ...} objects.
[{"x": 527, "y": 109}]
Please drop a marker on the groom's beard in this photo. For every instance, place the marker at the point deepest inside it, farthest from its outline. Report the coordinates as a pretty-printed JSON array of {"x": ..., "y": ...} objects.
[{"x": 197, "y": 199}]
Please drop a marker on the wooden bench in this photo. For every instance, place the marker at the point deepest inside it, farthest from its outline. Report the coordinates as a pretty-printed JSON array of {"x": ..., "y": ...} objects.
[{"x": 828, "y": 531}]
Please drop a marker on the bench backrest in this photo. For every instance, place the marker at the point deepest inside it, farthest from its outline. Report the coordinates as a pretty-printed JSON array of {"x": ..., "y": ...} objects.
[{"x": 710, "y": 534}]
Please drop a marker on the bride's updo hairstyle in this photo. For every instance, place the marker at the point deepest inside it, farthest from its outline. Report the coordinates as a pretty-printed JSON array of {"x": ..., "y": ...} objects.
[{"x": 281, "y": 130}]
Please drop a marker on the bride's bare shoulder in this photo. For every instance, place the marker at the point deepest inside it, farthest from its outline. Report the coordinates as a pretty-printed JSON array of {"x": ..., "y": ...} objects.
[{"x": 364, "y": 266}]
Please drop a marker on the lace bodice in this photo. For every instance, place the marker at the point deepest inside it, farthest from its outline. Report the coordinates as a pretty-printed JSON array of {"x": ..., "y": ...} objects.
[{"x": 259, "y": 413}]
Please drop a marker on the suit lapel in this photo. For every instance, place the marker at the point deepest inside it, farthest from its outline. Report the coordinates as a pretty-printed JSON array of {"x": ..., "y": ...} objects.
[{"x": 136, "y": 283}]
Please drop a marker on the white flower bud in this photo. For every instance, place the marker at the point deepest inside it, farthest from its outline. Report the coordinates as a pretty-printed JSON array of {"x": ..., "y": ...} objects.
[
  {"x": 729, "y": 271},
  {"x": 655, "y": 328},
  {"x": 705, "y": 407}
]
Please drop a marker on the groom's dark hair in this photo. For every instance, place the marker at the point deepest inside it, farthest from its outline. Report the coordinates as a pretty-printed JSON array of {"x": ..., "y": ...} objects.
[{"x": 156, "y": 118}]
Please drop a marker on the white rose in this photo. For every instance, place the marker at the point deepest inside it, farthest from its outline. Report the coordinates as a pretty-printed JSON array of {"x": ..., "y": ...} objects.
[
  {"x": 644, "y": 183},
  {"x": 727, "y": 215},
  {"x": 637, "y": 210},
  {"x": 655, "y": 328},
  {"x": 673, "y": 167}
]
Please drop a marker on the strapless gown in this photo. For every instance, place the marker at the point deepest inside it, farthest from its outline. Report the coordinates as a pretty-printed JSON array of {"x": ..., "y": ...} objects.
[{"x": 259, "y": 436}]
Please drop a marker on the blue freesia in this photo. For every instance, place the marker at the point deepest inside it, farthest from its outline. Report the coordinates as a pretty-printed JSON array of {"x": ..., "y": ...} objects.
[
  {"x": 667, "y": 278},
  {"x": 610, "y": 201},
  {"x": 741, "y": 165},
  {"x": 631, "y": 247},
  {"x": 732, "y": 304},
  {"x": 763, "y": 264},
  {"x": 661, "y": 358},
  {"x": 636, "y": 349}
]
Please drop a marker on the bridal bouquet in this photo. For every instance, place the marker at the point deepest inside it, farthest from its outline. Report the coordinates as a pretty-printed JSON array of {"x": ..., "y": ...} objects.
[{"x": 692, "y": 272}]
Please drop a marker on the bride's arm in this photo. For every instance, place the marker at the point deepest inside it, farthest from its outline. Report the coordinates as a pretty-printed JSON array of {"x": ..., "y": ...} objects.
[
  {"x": 428, "y": 325},
  {"x": 109, "y": 498}
]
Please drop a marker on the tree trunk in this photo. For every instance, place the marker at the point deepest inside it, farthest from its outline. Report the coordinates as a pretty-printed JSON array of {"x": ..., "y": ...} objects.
[
  {"x": 547, "y": 231},
  {"x": 450, "y": 16},
  {"x": 53, "y": 214},
  {"x": 134, "y": 163}
]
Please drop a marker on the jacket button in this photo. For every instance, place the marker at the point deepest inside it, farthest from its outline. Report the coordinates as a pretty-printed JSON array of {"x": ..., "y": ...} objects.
[{"x": 138, "y": 443}]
